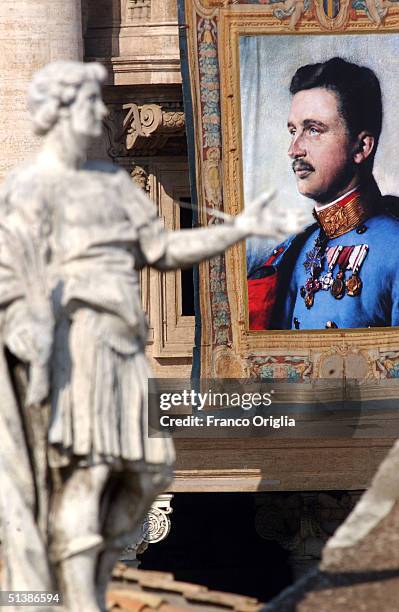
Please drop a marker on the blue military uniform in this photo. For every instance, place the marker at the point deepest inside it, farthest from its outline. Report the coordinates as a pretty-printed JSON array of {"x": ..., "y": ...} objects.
[{"x": 377, "y": 303}]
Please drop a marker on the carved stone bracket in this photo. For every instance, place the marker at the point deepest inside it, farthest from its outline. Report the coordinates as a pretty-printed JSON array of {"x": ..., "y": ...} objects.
[
  {"x": 302, "y": 522},
  {"x": 155, "y": 528},
  {"x": 147, "y": 129},
  {"x": 156, "y": 525}
]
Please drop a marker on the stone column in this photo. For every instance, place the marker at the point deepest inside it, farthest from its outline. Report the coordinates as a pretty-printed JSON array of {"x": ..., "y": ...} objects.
[{"x": 31, "y": 35}]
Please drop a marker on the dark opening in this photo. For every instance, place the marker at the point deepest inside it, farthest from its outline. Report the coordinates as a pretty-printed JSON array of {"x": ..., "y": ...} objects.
[
  {"x": 187, "y": 281},
  {"x": 213, "y": 542}
]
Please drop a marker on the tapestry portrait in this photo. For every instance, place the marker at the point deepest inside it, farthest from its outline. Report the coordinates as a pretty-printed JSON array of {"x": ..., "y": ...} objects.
[{"x": 292, "y": 112}]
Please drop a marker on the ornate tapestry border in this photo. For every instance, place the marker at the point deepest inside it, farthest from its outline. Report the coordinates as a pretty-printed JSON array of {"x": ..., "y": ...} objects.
[{"x": 213, "y": 28}]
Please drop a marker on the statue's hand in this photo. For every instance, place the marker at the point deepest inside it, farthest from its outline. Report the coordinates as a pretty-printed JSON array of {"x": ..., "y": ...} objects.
[
  {"x": 258, "y": 219},
  {"x": 30, "y": 339},
  {"x": 289, "y": 222}
]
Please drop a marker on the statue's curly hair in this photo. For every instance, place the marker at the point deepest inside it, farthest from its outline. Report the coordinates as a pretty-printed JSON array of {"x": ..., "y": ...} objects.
[{"x": 55, "y": 87}]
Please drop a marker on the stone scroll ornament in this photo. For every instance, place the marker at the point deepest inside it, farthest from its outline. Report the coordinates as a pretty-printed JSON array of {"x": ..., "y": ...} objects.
[{"x": 77, "y": 467}]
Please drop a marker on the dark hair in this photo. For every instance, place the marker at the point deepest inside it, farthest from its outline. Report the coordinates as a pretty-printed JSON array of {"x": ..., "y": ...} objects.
[{"x": 358, "y": 90}]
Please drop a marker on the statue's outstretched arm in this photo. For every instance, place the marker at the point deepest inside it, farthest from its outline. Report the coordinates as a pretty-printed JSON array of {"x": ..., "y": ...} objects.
[
  {"x": 168, "y": 250},
  {"x": 187, "y": 247}
]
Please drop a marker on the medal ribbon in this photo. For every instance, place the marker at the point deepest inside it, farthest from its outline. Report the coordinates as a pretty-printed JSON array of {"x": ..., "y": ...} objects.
[
  {"x": 343, "y": 257},
  {"x": 353, "y": 257},
  {"x": 358, "y": 256},
  {"x": 332, "y": 256}
]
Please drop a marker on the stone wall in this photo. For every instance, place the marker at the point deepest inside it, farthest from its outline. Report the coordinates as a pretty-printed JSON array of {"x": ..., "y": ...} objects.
[
  {"x": 31, "y": 35},
  {"x": 136, "y": 39}
]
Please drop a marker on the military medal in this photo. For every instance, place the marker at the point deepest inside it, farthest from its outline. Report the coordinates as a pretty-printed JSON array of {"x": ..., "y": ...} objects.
[
  {"x": 312, "y": 285},
  {"x": 338, "y": 285},
  {"x": 354, "y": 283},
  {"x": 332, "y": 255},
  {"x": 309, "y": 300},
  {"x": 327, "y": 281},
  {"x": 313, "y": 262},
  {"x": 313, "y": 265}
]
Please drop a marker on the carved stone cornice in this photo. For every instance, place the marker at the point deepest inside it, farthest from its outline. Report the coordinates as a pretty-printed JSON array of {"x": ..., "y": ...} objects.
[{"x": 147, "y": 129}]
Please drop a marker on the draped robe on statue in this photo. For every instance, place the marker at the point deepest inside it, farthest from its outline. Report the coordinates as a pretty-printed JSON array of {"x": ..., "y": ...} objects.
[{"x": 71, "y": 246}]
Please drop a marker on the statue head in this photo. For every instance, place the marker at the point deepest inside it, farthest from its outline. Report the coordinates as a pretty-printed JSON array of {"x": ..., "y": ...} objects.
[{"x": 68, "y": 91}]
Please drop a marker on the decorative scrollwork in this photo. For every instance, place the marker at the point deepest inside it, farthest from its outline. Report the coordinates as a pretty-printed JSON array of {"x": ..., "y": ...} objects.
[
  {"x": 292, "y": 9},
  {"x": 156, "y": 525},
  {"x": 387, "y": 364},
  {"x": 149, "y": 127},
  {"x": 294, "y": 368},
  {"x": 212, "y": 177},
  {"x": 146, "y": 129},
  {"x": 333, "y": 15},
  {"x": 143, "y": 120}
]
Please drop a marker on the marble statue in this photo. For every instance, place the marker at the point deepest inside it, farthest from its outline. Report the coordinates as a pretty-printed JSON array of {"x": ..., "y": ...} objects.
[{"x": 78, "y": 472}]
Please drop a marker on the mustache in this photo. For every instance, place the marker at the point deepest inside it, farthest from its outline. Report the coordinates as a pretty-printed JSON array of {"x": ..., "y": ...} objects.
[{"x": 299, "y": 164}]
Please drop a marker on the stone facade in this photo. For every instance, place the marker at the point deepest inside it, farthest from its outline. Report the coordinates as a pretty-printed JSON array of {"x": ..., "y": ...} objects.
[
  {"x": 31, "y": 35},
  {"x": 137, "y": 40}
]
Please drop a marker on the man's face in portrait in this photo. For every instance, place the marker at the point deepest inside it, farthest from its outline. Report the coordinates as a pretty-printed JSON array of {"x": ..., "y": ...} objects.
[{"x": 321, "y": 148}]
